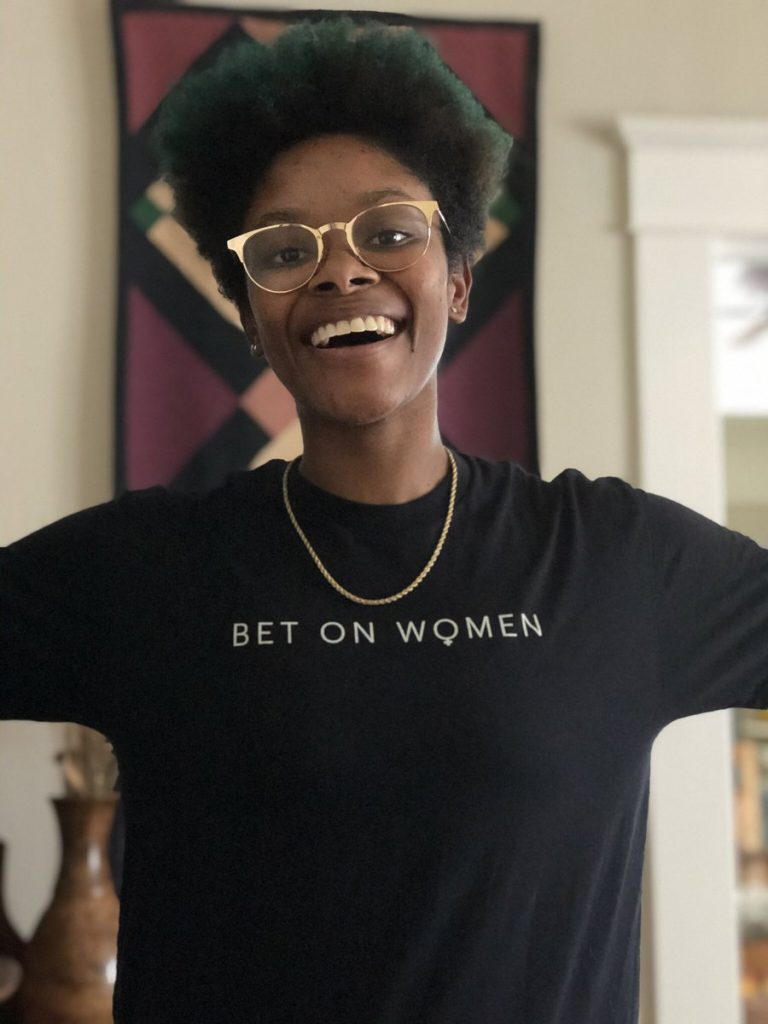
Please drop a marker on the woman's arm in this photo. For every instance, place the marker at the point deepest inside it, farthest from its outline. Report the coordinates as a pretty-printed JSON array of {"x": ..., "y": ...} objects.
[{"x": 712, "y": 622}]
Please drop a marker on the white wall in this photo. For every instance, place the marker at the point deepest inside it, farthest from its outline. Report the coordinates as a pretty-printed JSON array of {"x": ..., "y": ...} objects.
[{"x": 600, "y": 58}]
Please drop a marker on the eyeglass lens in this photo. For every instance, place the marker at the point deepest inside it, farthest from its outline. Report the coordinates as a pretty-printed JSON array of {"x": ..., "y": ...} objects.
[{"x": 386, "y": 238}]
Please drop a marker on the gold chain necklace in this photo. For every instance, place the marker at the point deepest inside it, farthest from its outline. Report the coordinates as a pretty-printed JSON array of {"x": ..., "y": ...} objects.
[{"x": 422, "y": 574}]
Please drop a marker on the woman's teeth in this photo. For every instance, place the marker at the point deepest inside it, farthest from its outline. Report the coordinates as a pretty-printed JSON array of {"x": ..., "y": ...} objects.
[{"x": 379, "y": 324}]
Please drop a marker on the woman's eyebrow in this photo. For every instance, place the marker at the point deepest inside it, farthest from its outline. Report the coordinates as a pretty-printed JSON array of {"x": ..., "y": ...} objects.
[
  {"x": 296, "y": 216},
  {"x": 383, "y": 193},
  {"x": 279, "y": 217}
]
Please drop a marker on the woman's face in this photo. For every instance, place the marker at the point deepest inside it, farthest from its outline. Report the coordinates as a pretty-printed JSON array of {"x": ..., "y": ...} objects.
[{"x": 332, "y": 178}]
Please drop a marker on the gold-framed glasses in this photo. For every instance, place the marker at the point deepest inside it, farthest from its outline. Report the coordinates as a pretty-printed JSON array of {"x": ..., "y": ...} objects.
[{"x": 389, "y": 237}]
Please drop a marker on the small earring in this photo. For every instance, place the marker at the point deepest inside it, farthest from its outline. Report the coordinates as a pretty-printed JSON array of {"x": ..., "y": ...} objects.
[
  {"x": 255, "y": 350},
  {"x": 454, "y": 309}
]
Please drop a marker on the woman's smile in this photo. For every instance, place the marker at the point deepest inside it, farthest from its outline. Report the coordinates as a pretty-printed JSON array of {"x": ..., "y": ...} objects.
[{"x": 355, "y": 331}]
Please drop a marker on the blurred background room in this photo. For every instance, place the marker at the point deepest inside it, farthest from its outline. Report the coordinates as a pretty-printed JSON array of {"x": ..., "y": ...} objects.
[{"x": 649, "y": 347}]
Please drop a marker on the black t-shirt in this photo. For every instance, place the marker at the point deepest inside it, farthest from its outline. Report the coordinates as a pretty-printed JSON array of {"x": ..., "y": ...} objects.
[{"x": 427, "y": 812}]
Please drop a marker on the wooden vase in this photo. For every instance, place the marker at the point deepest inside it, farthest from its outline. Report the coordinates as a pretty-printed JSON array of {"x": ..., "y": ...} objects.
[
  {"x": 11, "y": 945},
  {"x": 70, "y": 961}
]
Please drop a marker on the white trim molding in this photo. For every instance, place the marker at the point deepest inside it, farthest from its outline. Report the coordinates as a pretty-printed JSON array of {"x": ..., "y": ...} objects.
[
  {"x": 692, "y": 182},
  {"x": 697, "y": 174}
]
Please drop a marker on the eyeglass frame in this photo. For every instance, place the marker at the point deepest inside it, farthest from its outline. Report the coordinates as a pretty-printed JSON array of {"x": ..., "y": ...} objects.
[{"x": 429, "y": 207}]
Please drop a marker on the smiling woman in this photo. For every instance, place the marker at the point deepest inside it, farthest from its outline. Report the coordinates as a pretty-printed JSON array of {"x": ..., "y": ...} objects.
[
  {"x": 433, "y": 812},
  {"x": 342, "y": 204}
]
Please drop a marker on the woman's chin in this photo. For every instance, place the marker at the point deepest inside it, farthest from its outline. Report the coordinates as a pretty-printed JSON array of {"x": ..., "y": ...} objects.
[{"x": 350, "y": 410}]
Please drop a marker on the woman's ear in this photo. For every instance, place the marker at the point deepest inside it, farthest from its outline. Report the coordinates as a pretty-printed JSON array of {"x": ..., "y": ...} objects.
[
  {"x": 250, "y": 328},
  {"x": 459, "y": 287}
]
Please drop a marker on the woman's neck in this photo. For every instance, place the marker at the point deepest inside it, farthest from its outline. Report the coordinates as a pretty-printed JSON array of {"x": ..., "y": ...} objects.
[{"x": 370, "y": 465}]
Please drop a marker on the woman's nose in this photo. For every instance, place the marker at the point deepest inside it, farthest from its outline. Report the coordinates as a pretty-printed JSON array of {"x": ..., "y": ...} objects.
[{"x": 340, "y": 268}]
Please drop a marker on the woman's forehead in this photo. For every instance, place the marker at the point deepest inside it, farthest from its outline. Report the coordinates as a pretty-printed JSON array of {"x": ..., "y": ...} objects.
[{"x": 337, "y": 173}]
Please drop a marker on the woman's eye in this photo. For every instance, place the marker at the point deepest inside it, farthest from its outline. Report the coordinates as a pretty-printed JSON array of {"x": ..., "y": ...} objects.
[
  {"x": 285, "y": 257},
  {"x": 389, "y": 238}
]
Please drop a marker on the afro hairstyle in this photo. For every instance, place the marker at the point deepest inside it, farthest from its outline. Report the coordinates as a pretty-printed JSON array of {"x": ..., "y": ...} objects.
[{"x": 219, "y": 130}]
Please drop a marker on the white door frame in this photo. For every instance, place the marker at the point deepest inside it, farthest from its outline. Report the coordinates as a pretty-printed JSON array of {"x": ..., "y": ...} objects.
[{"x": 691, "y": 182}]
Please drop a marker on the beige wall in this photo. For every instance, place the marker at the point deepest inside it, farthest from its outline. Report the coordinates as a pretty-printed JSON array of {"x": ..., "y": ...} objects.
[
  {"x": 600, "y": 58},
  {"x": 57, "y": 236}
]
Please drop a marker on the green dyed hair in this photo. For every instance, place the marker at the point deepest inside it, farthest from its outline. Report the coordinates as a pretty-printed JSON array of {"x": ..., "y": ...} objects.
[{"x": 218, "y": 131}]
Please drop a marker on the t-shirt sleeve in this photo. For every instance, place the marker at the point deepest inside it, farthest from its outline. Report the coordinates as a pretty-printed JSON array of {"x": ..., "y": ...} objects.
[
  {"x": 712, "y": 612},
  {"x": 71, "y": 602}
]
